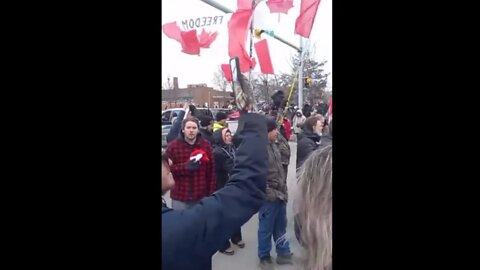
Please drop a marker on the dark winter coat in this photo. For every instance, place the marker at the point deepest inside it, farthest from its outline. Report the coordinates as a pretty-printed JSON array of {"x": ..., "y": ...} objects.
[
  {"x": 307, "y": 142},
  {"x": 224, "y": 158},
  {"x": 207, "y": 135},
  {"x": 276, "y": 179}
]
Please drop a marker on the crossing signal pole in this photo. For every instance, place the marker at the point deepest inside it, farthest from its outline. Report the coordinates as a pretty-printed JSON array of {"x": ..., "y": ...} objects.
[{"x": 260, "y": 32}]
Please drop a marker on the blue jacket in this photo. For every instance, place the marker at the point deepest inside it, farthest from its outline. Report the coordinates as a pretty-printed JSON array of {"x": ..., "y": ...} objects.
[
  {"x": 176, "y": 127},
  {"x": 190, "y": 237}
]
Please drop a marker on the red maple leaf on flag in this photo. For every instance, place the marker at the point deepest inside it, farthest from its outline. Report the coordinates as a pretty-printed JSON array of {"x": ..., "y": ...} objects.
[
  {"x": 280, "y": 6},
  {"x": 206, "y": 38},
  {"x": 244, "y": 4},
  {"x": 191, "y": 43}
]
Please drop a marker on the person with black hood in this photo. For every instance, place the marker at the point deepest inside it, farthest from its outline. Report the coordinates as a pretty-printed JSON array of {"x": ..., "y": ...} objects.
[
  {"x": 309, "y": 139},
  {"x": 224, "y": 152},
  {"x": 307, "y": 110},
  {"x": 206, "y": 128}
]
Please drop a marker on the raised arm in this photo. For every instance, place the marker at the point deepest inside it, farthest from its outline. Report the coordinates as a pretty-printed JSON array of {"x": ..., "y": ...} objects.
[{"x": 201, "y": 230}]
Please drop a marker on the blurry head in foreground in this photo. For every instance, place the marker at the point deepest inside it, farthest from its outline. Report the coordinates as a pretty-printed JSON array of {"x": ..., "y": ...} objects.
[{"x": 315, "y": 209}]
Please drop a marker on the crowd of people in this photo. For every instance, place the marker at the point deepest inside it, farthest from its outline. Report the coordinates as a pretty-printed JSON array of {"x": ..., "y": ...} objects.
[{"x": 218, "y": 181}]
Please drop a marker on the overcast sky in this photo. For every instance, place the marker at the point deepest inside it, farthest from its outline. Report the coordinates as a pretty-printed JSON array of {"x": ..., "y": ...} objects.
[{"x": 193, "y": 69}]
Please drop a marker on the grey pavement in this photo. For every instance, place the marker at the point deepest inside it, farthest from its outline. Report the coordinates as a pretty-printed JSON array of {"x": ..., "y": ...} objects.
[{"x": 246, "y": 258}]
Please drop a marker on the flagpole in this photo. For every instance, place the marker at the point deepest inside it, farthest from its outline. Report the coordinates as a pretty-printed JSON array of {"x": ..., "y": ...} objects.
[
  {"x": 251, "y": 43},
  {"x": 300, "y": 76}
]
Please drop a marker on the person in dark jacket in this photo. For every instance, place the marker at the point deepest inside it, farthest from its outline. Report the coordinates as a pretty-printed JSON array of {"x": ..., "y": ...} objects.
[
  {"x": 272, "y": 217},
  {"x": 284, "y": 147},
  {"x": 325, "y": 141},
  {"x": 309, "y": 139},
  {"x": 190, "y": 237},
  {"x": 224, "y": 152},
  {"x": 307, "y": 110},
  {"x": 206, "y": 127}
]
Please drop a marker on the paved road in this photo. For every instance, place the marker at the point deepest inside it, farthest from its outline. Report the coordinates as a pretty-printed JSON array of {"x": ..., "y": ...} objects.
[{"x": 246, "y": 258}]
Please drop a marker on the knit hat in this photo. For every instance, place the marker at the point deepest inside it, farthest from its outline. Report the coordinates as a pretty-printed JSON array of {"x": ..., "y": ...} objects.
[
  {"x": 221, "y": 116},
  {"x": 271, "y": 125},
  {"x": 205, "y": 120}
]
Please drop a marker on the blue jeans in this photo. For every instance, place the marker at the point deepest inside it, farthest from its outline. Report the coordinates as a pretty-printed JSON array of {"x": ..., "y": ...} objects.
[{"x": 273, "y": 222}]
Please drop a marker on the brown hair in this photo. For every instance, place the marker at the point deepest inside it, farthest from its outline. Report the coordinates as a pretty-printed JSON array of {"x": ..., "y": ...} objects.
[
  {"x": 313, "y": 207},
  {"x": 311, "y": 121},
  {"x": 190, "y": 119}
]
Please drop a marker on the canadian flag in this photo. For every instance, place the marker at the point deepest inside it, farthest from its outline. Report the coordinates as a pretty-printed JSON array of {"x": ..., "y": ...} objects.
[
  {"x": 190, "y": 41},
  {"x": 280, "y": 6}
]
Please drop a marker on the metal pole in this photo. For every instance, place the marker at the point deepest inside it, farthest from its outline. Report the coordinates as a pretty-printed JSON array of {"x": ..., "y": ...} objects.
[
  {"x": 217, "y": 6},
  {"x": 287, "y": 43},
  {"x": 266, "y": 89},
  {"x": 227, "y": 10},
  {"x": 251, "y": 44},
  {"x": 300, "y": 77}
]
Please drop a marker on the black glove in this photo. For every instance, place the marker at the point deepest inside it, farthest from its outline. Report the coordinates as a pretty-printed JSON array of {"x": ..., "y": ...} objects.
[
  {"x": 193, "y": 165},
  {"x": 192, "y": 109},
  {"x": 278, "y": 99}
]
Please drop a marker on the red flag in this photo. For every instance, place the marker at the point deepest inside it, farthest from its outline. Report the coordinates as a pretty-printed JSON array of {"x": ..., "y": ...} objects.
[
  {"x": 304, "y": 22},
  {"x": 263, "y": 56},
  {"x": 330, "y": 110},
  {"x": 279, "y": 6},
  {"x": 207, "y": 38},
  {"x": 227, "y": 72},
  {"x": 330, "y": 106},
  {"x": 188, "y": 39},
  {"x": 172, "y": 31},
  {"x": 237, "y": 37},
  {"x": 190, "y": 44},
  {"x": 244, "y": 4}
]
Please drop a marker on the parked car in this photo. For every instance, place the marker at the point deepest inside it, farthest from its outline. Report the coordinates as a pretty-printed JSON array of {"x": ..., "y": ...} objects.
[
  {"x": 165, "y": 130},
  {"x": 168, "y": 114},
  {"x": 215, "y": 111}
]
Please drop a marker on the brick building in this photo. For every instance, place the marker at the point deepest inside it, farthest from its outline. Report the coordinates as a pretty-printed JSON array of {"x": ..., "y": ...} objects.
[{"x": 199, "y": 94}]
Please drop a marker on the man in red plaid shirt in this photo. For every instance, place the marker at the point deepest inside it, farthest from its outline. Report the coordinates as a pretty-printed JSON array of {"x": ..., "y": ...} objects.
[{"x": 192, "y": 166}]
